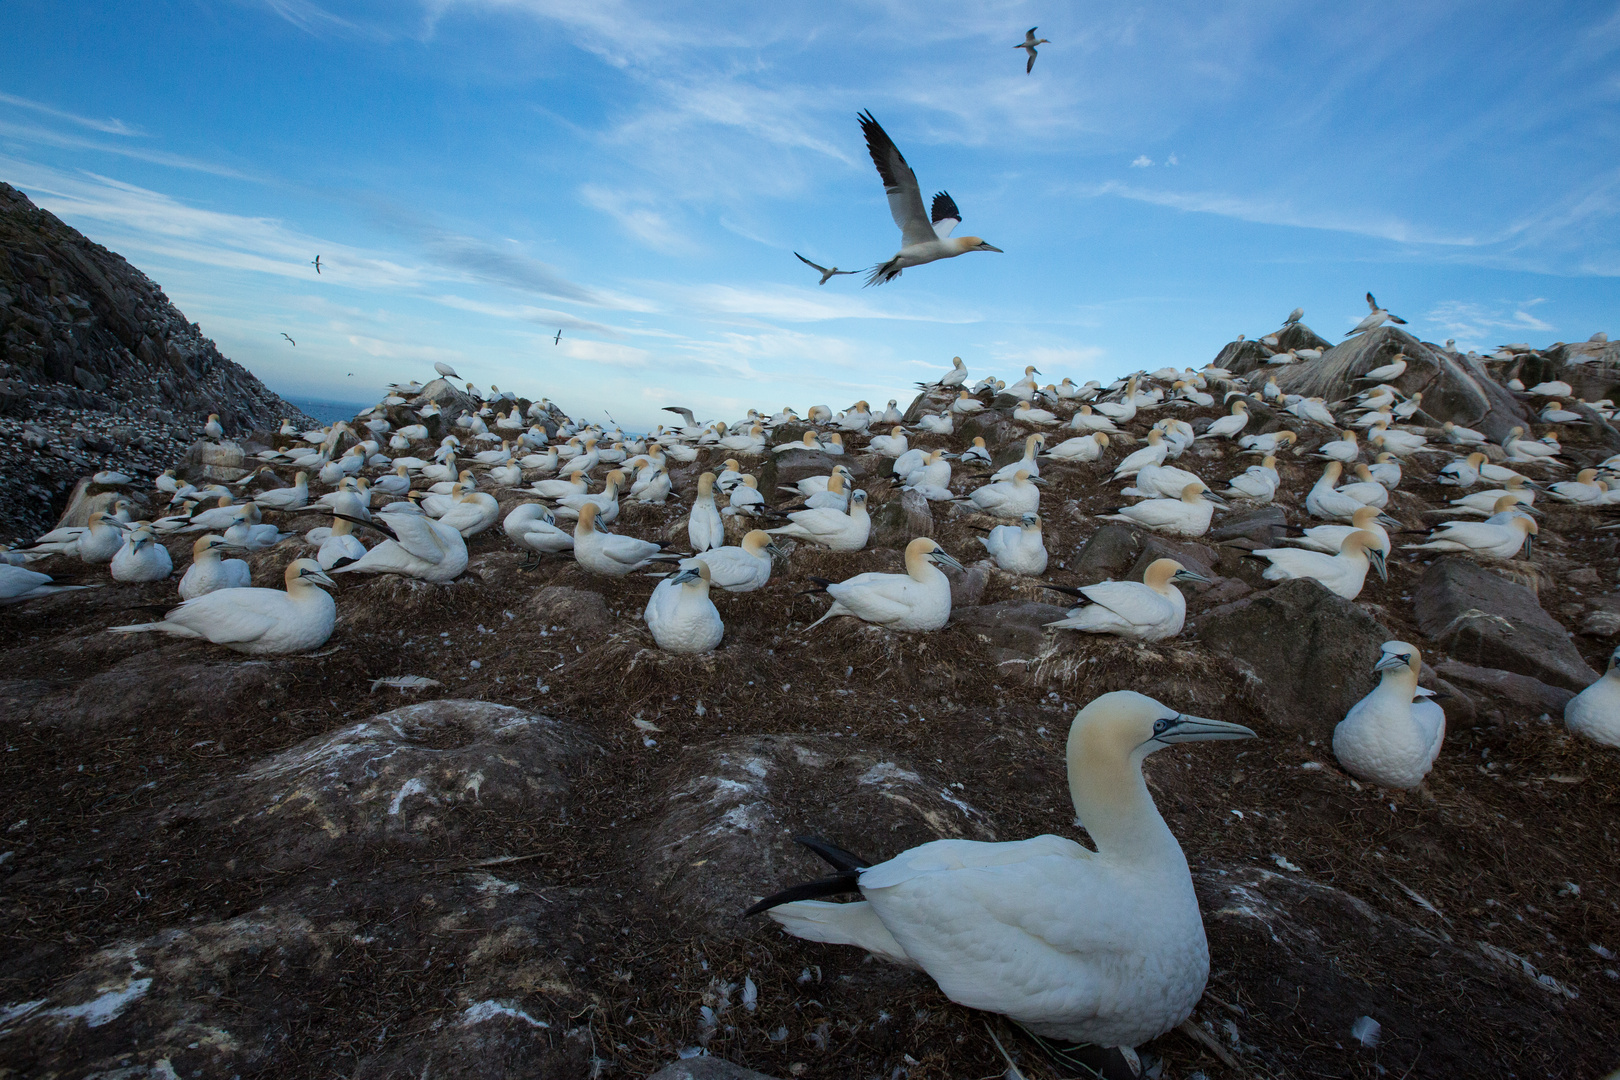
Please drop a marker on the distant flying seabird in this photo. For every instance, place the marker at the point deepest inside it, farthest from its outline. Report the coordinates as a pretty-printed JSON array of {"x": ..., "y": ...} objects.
[
  {"x": 317, "y": 264},
  {"x": 923, "y": 238},
  {"x": 826, "y": 272},
  {"x": 1028, "y": 45},
  {"x": 285, "y": 335},
  {"x": 558, "y": 339},
  {"x": 1374, "y": 320}
]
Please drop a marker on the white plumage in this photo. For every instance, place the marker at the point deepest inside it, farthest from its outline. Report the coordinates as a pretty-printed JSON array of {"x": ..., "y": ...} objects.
[
  {"x": 210, "y": 573},
  {"x": 1390, "y": 738},
  {"x": 919, "y": 599},
  {"x": 1152, "y": 609},
  {"x": 1018, "y": 549},
  {"x": 680, "y": 614},
  {"x": 260, "y": 622}
]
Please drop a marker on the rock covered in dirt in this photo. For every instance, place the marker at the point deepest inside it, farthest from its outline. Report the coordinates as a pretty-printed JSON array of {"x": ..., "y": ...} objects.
[{"x": 1502, "y": 695}]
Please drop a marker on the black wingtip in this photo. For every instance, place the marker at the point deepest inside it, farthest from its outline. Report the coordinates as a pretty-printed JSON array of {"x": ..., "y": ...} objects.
[
  {"x": 835, "y": 856},
  {"x": 846, "y": 881},
  {"x": 345, "y": 561}
]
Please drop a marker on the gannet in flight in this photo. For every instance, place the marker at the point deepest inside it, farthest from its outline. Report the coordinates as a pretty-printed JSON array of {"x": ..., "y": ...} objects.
[
  {"x": 1028, "y": 45},
  {"x": 317, "y": 264},
  {"x": 825, "y": 271},
  {"x": 924, "y": 238},
  {"x": 1376, "y": 319},
  {"x": 558, "y": 339},
  {"x": 1103, "y": 946},
  {"x": 289, "y": 338}
]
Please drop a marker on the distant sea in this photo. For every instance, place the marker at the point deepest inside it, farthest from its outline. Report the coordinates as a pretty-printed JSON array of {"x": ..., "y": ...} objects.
[{"x": 328, "y": 411}]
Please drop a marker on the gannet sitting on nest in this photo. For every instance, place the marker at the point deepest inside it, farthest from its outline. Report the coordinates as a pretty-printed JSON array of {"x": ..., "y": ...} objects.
[
  {"x": 1151, "y": 454},
  {"x": 1595, "y": 712},
  {"x": 417, "y": 546},
  {"x": 259, "y": 622},
  {"x": 924, "y": 238},
  {"x": 210, "y": 573},
  {"x": 1257, "y": 483},
  {"x": 605, "y": 553},
  {"x": 1388, "y": 737},
  {"x": 1344, "y": 573},
  {"x": 739, "y": 569},
  {"x": 680, "y": 614},
  {"x": 1227, "y": 427},
  {"x": 1187, "y": 516},
  {"x": 1330, "y": 538},
  {"x": 338, "y": 544},
  {"x": 17, "y": 585},
  {"x": 919, "y": 599},
  {"x": 1080, "y": 448},
  {"x": 141, "y": 558},
  {"x": 831, "y": 528},
  {"x": 1009, "y": 498},
  {"x": 1103, "y": 946},
  {"x": 1030, "y": 462},
  {"x": 1487, "y": 540},
  {"x": 1148, "y": 610},
  {"x": 1018, "y": 549}
]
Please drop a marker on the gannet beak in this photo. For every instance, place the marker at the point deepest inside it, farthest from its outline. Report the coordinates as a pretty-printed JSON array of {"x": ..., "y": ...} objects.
[
  {"x": 990, "y": 247},
  {"x": 1038, "y": 480},
  {"x": 774, "y": 550},
  {"x": 1184, "y": 728},
  {"x": 689, "y": 574},
  {"x": 1385, "y": 519},
  {"x": 320, "y": 578},
  {"x": 1377, "y": 558},
  {"x": 1390, "y": 661},
  {"x": 1214, "y": 498},
  {"x": 1188, "y": 575},
  {"x": 940, "y": 556}
]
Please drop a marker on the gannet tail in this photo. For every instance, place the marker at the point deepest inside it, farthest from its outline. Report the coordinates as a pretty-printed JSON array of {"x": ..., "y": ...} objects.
[
  {"x": 841, "y": 924},
  {"x": 884, "y": 272},
  {"x": 161, "y": 627}
]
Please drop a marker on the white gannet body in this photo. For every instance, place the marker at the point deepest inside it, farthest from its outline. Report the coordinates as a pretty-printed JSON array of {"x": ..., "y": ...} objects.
[
  {"x": 417, "y": 546},
  {"x": 1084, "y": 419},
  {"x": 705, "y": 528},
  {"x": 1521, "y": 449},
  {"x": 210, "y": 573},
  {"x": 1161, "y": 481},
  {"x": 1344, "y": 573},
  {"x": 1151, "y": 454},
  {"x": 1030, "y": 463},
  {"x": 831, "y": 528},
  {"x": 1330, "y": 538},
  {"x": 1018, "y": 549},
  {"x": 1388, "y": 372},
  {"x": 680, "y": 614},
  {"x": 101, "y": 540},
  {"x": 287, "y": 498},
  {"x": 1463, "y": 473},
  {"x": 891, "y": 445},
  {"x": 745, "y": 499},
  {"x": 1388, "y": 737},
  {"x": 1227, "y": 427},
  {"x": 1343, "y": 450},
  {"x": 1377, "y": 317},
  {"x": 1594, "y": 713},
  {"x": 260, "y": 622},
  {"x": 1257, "y": 483},
  {"x": 1009, "y": 498},
  {"x": 1187, "y": 516},
  {"x": 1080, "y": 448},
  {"x": 141, "y": 558},
  {"x": 605, "y": 553},
  {"x": 1103, "y": 946},
  {"x": 532, "y": 526},
  {"x": 1458, "y": 435},
  {"x": 339, "y": 544},
  {"x": 606, "y": 500},
  {"x": 1489, "y": 540},
  {"x": 18, "y": 584},
  {"x": 1148, "y": 610},
  {"x": 739, "y": 569},
  {"x": 1324, "y": 500},
  {"x": 919, "y": 599},
  {"x": 1269, "y": 443}
]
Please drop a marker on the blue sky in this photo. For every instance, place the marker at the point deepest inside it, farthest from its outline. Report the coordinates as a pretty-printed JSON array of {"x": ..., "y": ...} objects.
[{"x": 476, "y": 174}]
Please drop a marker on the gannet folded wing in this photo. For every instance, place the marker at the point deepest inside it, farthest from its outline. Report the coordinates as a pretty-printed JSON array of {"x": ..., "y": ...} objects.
[
  {"x": 1130, "y": 600},
  {"x": 900, "y": 184}
]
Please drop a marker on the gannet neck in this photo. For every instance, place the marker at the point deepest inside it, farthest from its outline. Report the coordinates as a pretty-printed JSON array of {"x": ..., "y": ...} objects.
[{"x": 1111, "y": 796}]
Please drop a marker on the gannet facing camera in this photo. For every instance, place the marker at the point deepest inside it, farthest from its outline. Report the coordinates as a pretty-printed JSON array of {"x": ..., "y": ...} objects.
[
  {"x": 680, "y": 614},
  {"x": 1595, "y": 712},
  {"x": 1103, "y": 946},
  {"x": 1152, "y": 609},
  {"x": 141, "y": 558},
  {"x": 1389, "y": 737},
  {"x": 259, "y": 622},
  {"x": 210, "y": 573},
  {"x": 919, "y": 599}
]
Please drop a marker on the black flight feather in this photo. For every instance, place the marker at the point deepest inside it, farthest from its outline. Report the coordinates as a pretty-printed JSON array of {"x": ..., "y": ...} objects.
[
  {"x": 832, "y": 854},
  {"x": 944, "y": 207},
  {"x": 847, "y": 881}
]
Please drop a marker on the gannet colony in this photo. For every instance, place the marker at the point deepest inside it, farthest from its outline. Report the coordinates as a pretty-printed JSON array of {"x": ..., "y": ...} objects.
[{"x": 465, "y": 738}]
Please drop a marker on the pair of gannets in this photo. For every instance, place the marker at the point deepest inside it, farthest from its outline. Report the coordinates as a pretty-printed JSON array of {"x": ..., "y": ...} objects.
[
  {"x": 1491, "y": 539},
  {"x": 1152, "y": 609},
  {"x": 210, "y": 573},
  {"x": 1018, "y": 549},
  {"x": 417, "y": 546},
  {"x": 259, "y": 622},
  {"x": 1344, "y": 573},
  {"x": 141, "y": 558},
  {"x": 831, "y": 528},
  {"x": 680, "y": 614},
  {"x": 1103, "y": 946},
  {"x": 919, "y": 599},
  {"x": 1392, "y": 736}
]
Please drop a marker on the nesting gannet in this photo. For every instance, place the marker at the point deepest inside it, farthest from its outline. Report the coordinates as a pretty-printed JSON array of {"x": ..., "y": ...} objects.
[
  {"x": 1028, "y": 45},
  {"x": 212, "y": 428},
  {"x": 141, "y": 557},
  {"x": 1153, "y": 453},
  {"x": 1390, "y": 737},
  {"x": 1585, "y": 488},
  {"x": 1377, "y": 317},
  {"x": 1385, "y": 469},
  {"x": 1556, "y": 388},
  {"x": 245, "y": 534},
  {"x": 1009, "y": 498},
  {"x": 954, "y": 377},
  {"x": 1030, "y": 462},
  {"x": 295, "y": 497},
  {"x": 836, "y": 494},
  {"x": 1330, "y": 538},
  {"x": 1257, "y": 483},
  {"x": 1269, "y": 443},
  {"x": 1018, "y": 549},
  {"x": 1463, "y": 473},
  {"x": 745, "y": 498},
  {"x": 739, "y": 569},
  {"x": 1028, "y": 414},
  {"x": 1344, "y": 450},
  {"x": 923, "y": 238},
  {"x": 471, "y": 512},
  {"x": 831, "y": 528},
  {"x": 1324, "y": 500},
  {"x": 966, "y": 404},
  {"x": 1521, "y": 449},
  {"x": 979, "y": 453},
  {"x": 605, "y": 553},
  {"x": 891, "y": 445},
  {"x": 705, "y": 527},
  {"x": 1152, "y": 609},
  {"x": 1103, "y": 946},
  {"x": 1386, "y": 373},
  {"x": 1187, "y": 516},
  {"x": 1227, "y": 427},
  {"x": 812, "y": 485},
  {"x": 936, "y": 423},
  {"x": 417, "y": 546},
  {"x": 1486, "y": 503},
  {"x": 339, "y": 544},
  {"x": 18, "y": 584},
  {"x": 1344, "y": 573},
  {"x": 1364, "y": 489},
  {"x": 533, "y": 527},
  {"x": 919, "y": 599},
  {"x": 576, "y": 484},
  {"x": 811, "y": 441},
  {"x": 680, "y": 614},
  {"x": 1485, "y": 539},
  {"x": 1164, "y": 482},
  {"x": 1595, "y": 712},
  {"x": 210, "y": 573},
  {"x": 1080, "y": 448},
  {"x": 1085, "y": 419},
  {"x": 606, "y": 500},
  {"x": 98, "y": 542},
  {"x": 256, "y": 621},
  {"x": 1555, "y": 413}
]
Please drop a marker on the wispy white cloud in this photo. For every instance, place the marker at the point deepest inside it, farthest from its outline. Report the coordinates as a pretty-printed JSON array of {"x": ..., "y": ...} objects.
[
  {"x": 1142, "y": 162},
  {"x": 39, "y": 136},
  {"x": 110, "y": 126},
  {"x": 799, "y": 305},
  {"x": 1476, "y": 324},
  {"x": 636, "y": 216}
]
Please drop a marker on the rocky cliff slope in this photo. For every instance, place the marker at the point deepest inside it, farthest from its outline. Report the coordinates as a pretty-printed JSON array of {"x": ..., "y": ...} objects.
[{"x": 98, "y": 370}]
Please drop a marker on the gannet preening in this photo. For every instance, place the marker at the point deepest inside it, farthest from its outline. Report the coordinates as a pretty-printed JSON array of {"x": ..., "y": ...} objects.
[
  {"x": 1103, "y": 946},
  {"x": 260, "y": 622},
  {"x": 532, "y": 526},
  {"x": 739, "y": 569},
  {"x": 705, "y": 528},
  {"x": 831, "y": 528},
  {"x": 210, "y": 573},
  {"x": 446, "y": 370},
  {"x": 141, "y": 558},
  {"x": 1018, "y": 549},
  {"x": 919, "y": 599},
  {"x": 1493, "y": 542},
  {"x": 605, "y": 553},
  {"x": 825, "y": 271},
  {"x": 1343, "y": 574},
  {"x": 1148, "y": 610},
  {"x": 680, "y": 614},
  {"x": 923, "y": 238},
  {"x": 1377, "y": 317},
  {"x": 1595, "y": 712},
  {"x": 1390, "y": 737},
  {"x": 417, "y": 546},
  {"x": 17, "y": 585},
  {"x": 1028, "y": 45}
]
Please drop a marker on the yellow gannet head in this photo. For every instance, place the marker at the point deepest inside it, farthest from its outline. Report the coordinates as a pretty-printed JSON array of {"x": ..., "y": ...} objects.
[
  {"x": 305, "y": 573},
  {"x": 964, "y": 244},
  {"x": 1401, "y": 658}
]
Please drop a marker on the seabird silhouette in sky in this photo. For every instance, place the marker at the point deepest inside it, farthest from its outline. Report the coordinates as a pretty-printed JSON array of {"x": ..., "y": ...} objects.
[
  {"x": 826, "y": 272},
  {"x": 289, "y": 338},
  {"x": 317, "y": 264},
  {"x": 558, "y": 339},
  {"x": 1028, "y": 45}
]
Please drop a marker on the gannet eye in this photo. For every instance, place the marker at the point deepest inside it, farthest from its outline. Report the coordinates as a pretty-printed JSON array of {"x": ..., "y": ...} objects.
[{"x": 1161, "y": 725}]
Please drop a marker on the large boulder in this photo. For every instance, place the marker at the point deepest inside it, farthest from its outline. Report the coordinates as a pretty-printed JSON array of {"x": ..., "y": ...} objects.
[
  {"x": 1310, "y": 652},
  {"x": 1455, "y": 388},
  {"x": 1500, "y": 696},
  {"x": 1482, "y": 618},
  {"x": 451, "y": 402}
]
